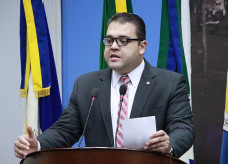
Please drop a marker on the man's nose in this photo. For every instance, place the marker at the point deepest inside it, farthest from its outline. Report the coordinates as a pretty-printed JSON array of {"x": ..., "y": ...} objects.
[{"x": 115, "y": 45}]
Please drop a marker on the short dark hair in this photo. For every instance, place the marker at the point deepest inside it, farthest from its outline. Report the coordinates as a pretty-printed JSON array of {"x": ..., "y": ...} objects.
[{"x": 123, "y": 18}]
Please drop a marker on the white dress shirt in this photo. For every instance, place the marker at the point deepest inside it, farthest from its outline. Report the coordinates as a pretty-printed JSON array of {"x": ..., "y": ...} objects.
[{"x": 135, "y": 77}]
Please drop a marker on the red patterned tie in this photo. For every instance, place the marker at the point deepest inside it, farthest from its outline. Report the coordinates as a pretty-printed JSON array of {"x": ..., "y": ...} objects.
[{"x": 123, "y": 113}]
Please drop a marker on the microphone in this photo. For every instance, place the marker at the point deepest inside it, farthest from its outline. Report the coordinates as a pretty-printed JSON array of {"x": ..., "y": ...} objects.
[
  {"x": 123, "y": 90},
  {"x": 94, "y": 94}
]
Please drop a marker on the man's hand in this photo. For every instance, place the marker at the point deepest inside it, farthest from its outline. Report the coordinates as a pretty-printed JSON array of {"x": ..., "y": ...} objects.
[
  {"x": 159, "y": 142},
  {"x": 25, "y": 144}
]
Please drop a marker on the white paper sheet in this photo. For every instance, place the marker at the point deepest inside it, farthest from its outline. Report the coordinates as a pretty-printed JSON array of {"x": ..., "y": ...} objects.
[{"x": 137, "y": 131}]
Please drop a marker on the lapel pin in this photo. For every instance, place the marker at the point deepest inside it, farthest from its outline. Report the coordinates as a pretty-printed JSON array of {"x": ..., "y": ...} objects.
[{"x": 148, "y": 83}]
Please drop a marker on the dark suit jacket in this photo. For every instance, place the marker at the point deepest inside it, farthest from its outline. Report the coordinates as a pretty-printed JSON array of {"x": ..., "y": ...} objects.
[{"x": 165, "y": 97}]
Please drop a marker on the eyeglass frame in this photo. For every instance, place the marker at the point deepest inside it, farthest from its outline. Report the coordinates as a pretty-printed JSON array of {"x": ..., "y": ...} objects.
[{"x": 116, "y": 39}]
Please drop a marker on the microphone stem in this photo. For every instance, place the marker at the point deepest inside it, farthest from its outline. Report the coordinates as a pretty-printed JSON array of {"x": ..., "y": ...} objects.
[{"x": 86, "y": 122}]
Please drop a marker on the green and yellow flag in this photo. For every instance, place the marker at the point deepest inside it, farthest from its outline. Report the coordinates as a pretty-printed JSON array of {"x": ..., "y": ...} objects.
[
  {"x": 171, "y": 52},
  {"x": 110, "y": 8}
]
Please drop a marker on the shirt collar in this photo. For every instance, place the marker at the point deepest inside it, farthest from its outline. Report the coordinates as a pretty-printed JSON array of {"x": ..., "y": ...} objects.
[{"x": 134, "y": 75}]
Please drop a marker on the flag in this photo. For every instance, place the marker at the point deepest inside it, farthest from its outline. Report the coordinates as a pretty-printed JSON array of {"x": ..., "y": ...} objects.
[
  {"x": 174, "y": 50},
  {"x": 110, "y": 8},
  {"x": 39, "y": 84},
  {"x": 171, "y": 52},
  {"x": 224, "y": 148}
]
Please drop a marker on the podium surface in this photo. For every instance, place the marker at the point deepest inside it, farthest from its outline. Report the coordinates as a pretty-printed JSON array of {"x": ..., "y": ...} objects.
[{"x": 98, "y": 156}]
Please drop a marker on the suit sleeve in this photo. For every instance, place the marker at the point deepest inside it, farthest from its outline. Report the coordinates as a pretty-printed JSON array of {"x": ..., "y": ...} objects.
[
  {"x": 179, "y": 124},
  {"x": 67, "y": 129}
]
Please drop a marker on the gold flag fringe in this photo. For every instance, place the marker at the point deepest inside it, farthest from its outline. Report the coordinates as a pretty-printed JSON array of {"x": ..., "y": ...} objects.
[
  {"x": 42, "y": 93},
  {"x": 23, "y": 93}
]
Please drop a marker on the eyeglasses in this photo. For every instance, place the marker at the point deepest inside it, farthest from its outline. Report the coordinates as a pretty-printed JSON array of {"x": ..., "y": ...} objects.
[{"x": 122, "y": 41}]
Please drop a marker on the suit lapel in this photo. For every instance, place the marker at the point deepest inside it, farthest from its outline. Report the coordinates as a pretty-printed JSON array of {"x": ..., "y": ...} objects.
[
  {"x": 104, "y": 86},
  {"x": 144, "y": 89}
]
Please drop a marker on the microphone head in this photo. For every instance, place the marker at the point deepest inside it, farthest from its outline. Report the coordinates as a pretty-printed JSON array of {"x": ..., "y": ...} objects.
[
  {"x": 123, "y": 89},
  {"x": 94, "y": 93}
]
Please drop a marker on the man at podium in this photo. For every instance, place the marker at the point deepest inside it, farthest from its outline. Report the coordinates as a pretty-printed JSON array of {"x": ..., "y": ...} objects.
[{"x": 146, "y": 91}]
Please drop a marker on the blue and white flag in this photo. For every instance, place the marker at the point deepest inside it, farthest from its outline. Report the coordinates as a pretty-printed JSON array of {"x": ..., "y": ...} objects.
[{"x": 39, "y": 82}]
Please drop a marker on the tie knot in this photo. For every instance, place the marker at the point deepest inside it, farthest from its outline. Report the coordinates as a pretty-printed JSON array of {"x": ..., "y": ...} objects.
[{"x": 125, "y": 79}]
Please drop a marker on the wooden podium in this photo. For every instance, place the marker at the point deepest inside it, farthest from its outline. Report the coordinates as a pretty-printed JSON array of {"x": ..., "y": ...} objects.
[{"x": 98, "y": 156}]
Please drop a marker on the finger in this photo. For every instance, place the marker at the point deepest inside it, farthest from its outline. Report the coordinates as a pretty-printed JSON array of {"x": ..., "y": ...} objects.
[
  {"x": 30, "y": 132},
  {"x": 162, "y": 147},
  {"x": 158, "y": 134},
  {"x": 20, "y": 152},
  {"x": 23, "y": 140},
  {"x": 164, "y": 144},
  {"x": 20, "y": 156},
  {"x": 157, "y": 142},
  {"x": 151, "y": 145},
  {"x": 21, "y": 145}
]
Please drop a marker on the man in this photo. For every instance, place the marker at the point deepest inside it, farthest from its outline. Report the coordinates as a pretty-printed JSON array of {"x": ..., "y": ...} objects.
[{"x": 155, "y": 92}]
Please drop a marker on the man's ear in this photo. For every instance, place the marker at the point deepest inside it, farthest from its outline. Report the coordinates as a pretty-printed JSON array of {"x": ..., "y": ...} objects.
[{"x": 142, "y": 45}]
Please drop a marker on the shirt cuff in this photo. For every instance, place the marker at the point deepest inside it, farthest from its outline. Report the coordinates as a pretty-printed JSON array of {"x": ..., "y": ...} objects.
[
  {"x": 171, "y": 151},
  {"x": 39, "y": 147}
]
